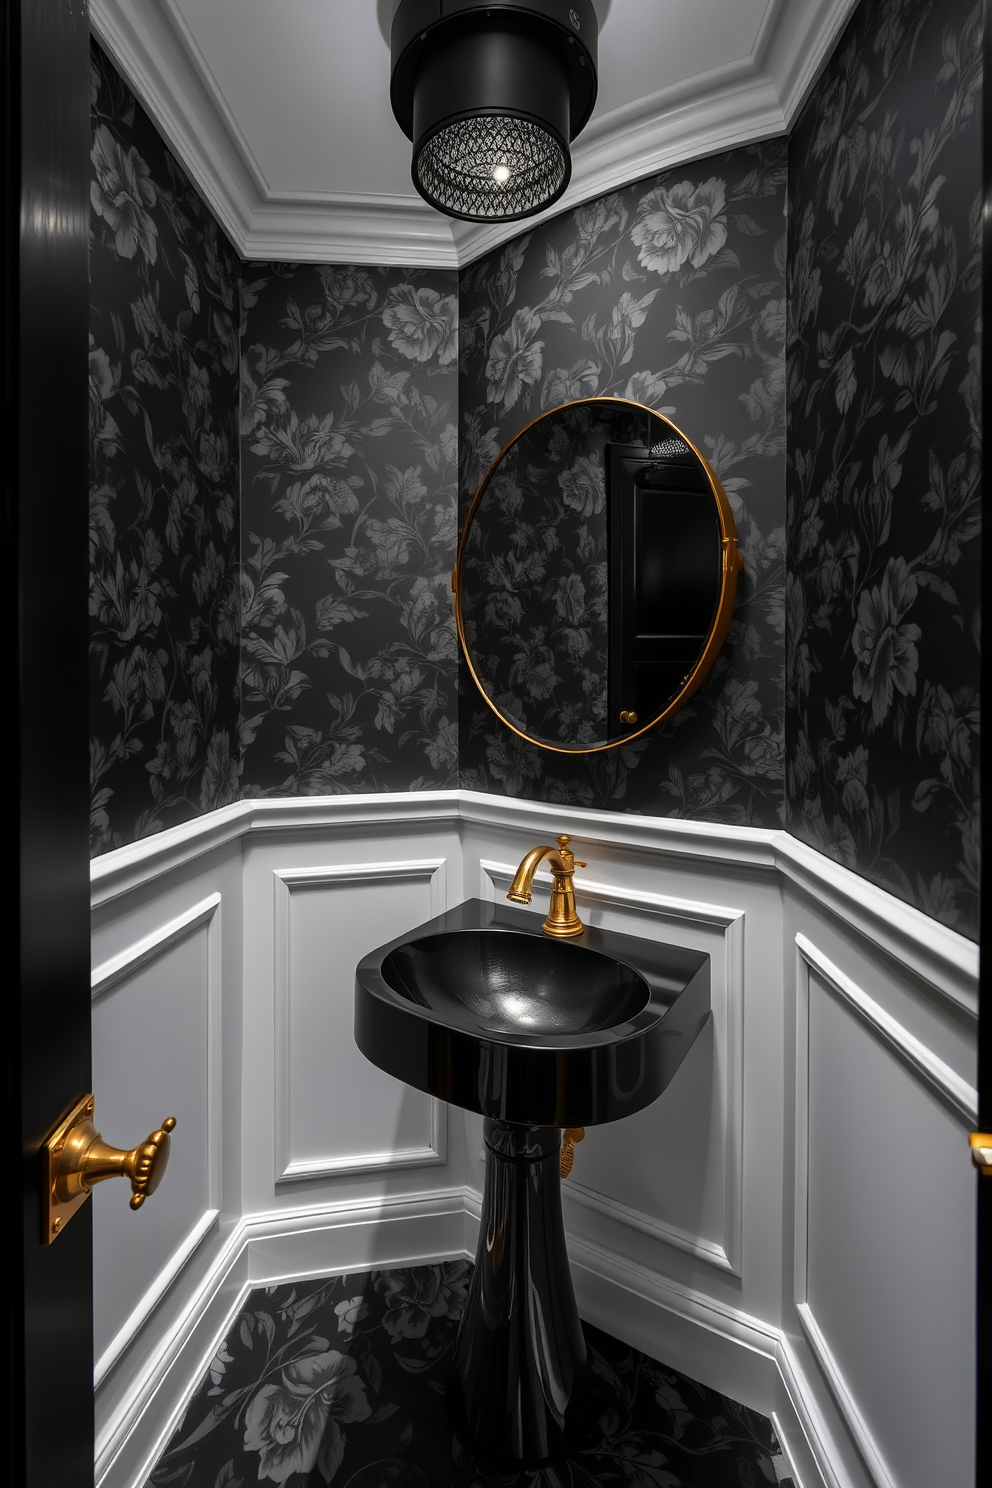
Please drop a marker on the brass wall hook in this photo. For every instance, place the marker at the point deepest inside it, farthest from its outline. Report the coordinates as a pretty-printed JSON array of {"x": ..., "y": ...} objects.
[{"x": 76, "y": 1156}]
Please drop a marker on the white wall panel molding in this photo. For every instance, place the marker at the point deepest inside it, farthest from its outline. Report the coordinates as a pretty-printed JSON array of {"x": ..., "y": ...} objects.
[
  {"x": 815, "y": 969},
  {"x": 112, "y": 977},
  {"x": 800, "y": 1423},
  {"x": 644, "y": 913},
  {"x": 145, "y": 1310},
  {"x": 738, "y": 102},
  {"x": 374, "y": 877},
  {"x": 853, "y": 1417},
  {"x": 264, "y": 1249},
  {"x": 117, "y": 968},
  {"x": 924, "y": 1063}
]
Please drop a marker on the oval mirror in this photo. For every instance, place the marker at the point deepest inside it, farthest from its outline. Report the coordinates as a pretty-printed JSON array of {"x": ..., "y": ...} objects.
[{"x": 596, "y": 575}]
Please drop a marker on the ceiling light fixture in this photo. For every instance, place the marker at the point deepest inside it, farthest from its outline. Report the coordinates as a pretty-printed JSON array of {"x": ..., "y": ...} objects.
[{"x": 492, "y": 94}]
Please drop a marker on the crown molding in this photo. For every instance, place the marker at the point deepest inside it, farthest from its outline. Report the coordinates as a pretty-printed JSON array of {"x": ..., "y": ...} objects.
[{"x": 754, "y": 99}]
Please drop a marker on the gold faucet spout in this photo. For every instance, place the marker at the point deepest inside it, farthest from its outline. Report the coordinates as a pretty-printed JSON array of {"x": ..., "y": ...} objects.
[
  {"x": 523, "y": 879},
  {"x": 562, "y": 919}
]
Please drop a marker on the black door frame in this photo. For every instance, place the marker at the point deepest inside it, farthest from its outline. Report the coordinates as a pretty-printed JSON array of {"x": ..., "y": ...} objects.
[
  {"x": 44, "y": 53},
  {"x": 983, "y": 1457}
]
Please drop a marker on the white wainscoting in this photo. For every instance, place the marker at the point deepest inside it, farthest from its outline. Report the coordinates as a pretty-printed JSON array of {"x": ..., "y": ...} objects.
[
  {"x": 322, "y": 924},
  {"x": 834, "y": 1082},
  {"x": 884, "y": 1250},
  {"x": 160, "y": 999}
]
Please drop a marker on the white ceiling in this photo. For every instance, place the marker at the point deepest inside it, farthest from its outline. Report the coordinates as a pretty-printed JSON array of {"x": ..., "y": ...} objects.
[{"x": 279, "y": 109}]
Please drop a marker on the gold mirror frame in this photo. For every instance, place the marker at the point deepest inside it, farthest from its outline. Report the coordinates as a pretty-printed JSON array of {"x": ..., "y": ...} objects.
[{"x": 730, "y": 567}]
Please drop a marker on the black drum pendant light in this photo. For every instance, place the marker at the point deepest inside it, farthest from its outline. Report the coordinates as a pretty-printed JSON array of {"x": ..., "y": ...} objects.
[{"x": 492, "y": 94}]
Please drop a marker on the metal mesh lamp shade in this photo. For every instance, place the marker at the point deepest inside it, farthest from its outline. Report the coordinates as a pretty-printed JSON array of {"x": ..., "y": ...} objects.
[
  {"x": 491, "y": 168},
  {"x": 491, "y": 98}
]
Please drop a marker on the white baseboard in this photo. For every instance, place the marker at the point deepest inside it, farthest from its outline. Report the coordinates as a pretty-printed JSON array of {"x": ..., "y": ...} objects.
[
  {"x": 712, "y": 1342},
  {"x": 262, "y": 1250}
]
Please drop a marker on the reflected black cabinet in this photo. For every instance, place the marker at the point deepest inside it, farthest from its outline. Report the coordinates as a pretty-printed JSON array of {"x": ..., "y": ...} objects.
[{"x": 665, "y": 556}]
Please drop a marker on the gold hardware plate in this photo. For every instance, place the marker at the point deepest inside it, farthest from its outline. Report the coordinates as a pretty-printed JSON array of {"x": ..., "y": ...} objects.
[{"x": 55, "y": 1212}]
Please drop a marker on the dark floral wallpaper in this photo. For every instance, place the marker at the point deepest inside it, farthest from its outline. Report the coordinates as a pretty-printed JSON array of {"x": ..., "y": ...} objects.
[
  {"x": 848, "y": 709},
  {"x": 670, "y": 292},
  {"x": 885, "y": 456},
  {"x": 349, "y": 489},
  {"x": 164, "y": 521}
]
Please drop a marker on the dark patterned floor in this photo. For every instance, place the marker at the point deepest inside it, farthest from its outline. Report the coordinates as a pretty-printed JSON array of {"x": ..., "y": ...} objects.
[{"x": 343, "y": 1381}]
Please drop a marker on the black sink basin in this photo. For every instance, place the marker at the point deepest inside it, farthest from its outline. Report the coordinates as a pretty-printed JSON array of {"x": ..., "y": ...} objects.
[
  {"x": 510, "y": 983},
  {"x": 480, "y": 1008}
]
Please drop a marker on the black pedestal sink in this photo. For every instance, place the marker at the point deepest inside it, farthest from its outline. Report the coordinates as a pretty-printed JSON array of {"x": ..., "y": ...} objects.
[{"x": 481, "y": 1009}]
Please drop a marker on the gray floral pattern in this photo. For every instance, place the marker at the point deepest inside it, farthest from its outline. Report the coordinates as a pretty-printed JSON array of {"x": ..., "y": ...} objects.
[
  {"x": 344, "y": 1381},
  {"x": 670, "y": 292},
  {"x": 164, "y": 518},
  {"x": 884, "y": 480},
  {"x": 349, "y": 475}
]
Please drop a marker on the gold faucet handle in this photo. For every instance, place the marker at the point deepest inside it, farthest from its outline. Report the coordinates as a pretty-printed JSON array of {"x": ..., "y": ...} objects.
[{"x": 570, "y": 862}]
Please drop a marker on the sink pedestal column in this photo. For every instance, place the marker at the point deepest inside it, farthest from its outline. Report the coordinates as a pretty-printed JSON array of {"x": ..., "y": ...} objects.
[{"x": 520, "y": 1356}]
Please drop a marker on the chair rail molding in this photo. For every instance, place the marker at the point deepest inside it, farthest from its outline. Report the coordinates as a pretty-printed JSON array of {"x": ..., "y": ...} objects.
[
  {"x": 910, "y": 939},
  {"x": 738, "y": 103}
]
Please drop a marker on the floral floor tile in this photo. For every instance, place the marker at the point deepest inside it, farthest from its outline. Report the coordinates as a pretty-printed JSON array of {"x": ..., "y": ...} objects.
[{"x": 343, "y": 1381}]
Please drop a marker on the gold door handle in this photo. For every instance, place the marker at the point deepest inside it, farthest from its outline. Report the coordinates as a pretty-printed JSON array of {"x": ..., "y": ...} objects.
[
  {"x": 76, "y": 1157},
  {"x": 981, "y": 1151},
  {"x": 628, "y": 716}
]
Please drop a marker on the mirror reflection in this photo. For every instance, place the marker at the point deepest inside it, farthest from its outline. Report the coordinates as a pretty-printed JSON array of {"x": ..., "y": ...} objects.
[{"x": 596, "y": 575}]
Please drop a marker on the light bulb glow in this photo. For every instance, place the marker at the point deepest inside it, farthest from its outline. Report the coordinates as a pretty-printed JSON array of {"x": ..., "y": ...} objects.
[{"x": 501, "y": 174}]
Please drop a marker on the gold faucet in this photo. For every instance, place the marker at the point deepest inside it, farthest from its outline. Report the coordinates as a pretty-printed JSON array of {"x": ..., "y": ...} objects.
[{"x": 562, "y": 919}]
